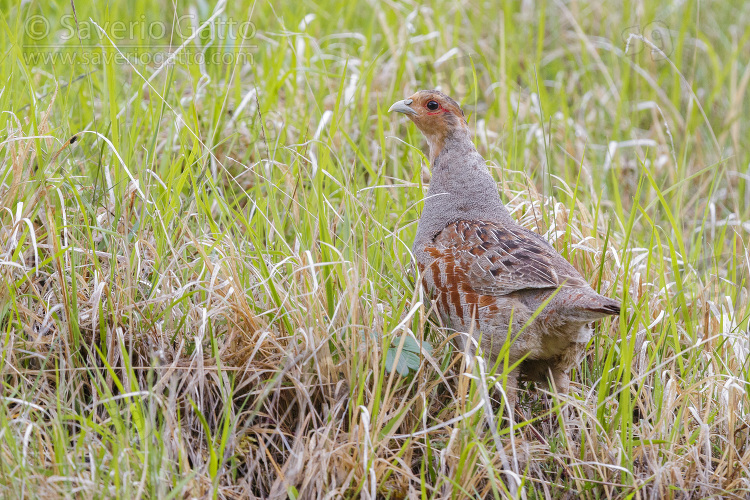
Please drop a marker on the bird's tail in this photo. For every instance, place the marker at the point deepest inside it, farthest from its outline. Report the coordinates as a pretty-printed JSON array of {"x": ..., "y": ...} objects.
[
  {"x": 599, "y": 307},
  {"x": 606, "y": 306},
  {"x": 585, "y": 305}
]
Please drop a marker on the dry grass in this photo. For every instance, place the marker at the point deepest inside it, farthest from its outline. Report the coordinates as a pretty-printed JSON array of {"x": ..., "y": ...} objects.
[{"x": 199, "y": 292}]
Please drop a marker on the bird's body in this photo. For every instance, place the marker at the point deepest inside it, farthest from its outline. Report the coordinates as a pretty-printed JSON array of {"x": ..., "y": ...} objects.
[{"x": 487, "y": 275}]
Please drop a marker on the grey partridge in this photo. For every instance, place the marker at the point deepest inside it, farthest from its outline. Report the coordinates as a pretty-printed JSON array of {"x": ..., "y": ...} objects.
[{"x": 487, "y": 275}]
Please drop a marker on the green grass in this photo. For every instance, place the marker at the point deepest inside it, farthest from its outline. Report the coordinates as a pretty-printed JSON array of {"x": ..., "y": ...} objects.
[{"x": 199, "y": 293}]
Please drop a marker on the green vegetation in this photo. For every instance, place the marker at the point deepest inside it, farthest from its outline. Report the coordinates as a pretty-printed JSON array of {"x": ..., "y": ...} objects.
[{"x": 201, "y": 292}]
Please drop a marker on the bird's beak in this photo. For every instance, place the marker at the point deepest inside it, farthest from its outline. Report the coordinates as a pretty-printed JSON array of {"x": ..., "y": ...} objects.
[{"x": 402, "y": 107}]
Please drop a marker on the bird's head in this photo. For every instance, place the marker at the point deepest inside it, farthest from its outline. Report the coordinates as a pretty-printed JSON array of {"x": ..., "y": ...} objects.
[{"x": 435, "y": 114}]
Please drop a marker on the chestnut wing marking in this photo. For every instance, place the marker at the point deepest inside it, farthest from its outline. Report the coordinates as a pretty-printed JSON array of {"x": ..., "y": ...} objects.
[{"x": 499, "y": 260}]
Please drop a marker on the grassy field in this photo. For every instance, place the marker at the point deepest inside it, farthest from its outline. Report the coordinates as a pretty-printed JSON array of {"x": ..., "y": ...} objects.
[{"x": 204, "y": 247}]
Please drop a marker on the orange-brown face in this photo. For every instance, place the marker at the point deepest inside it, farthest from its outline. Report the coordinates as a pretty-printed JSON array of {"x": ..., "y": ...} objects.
[{"x": 434, "y": 113}]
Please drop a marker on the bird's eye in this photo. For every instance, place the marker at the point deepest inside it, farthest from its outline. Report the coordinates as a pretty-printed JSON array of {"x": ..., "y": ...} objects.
[{"x": 432, "y": 105}]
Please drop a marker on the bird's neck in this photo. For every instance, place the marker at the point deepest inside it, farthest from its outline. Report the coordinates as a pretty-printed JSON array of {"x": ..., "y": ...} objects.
[
  {"x": 461, "y": 186},
  {"x": 439, "y": 137}
]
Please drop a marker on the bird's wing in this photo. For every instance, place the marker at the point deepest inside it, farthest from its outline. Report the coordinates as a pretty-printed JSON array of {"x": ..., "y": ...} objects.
[{"x": 499, "y": 260}]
